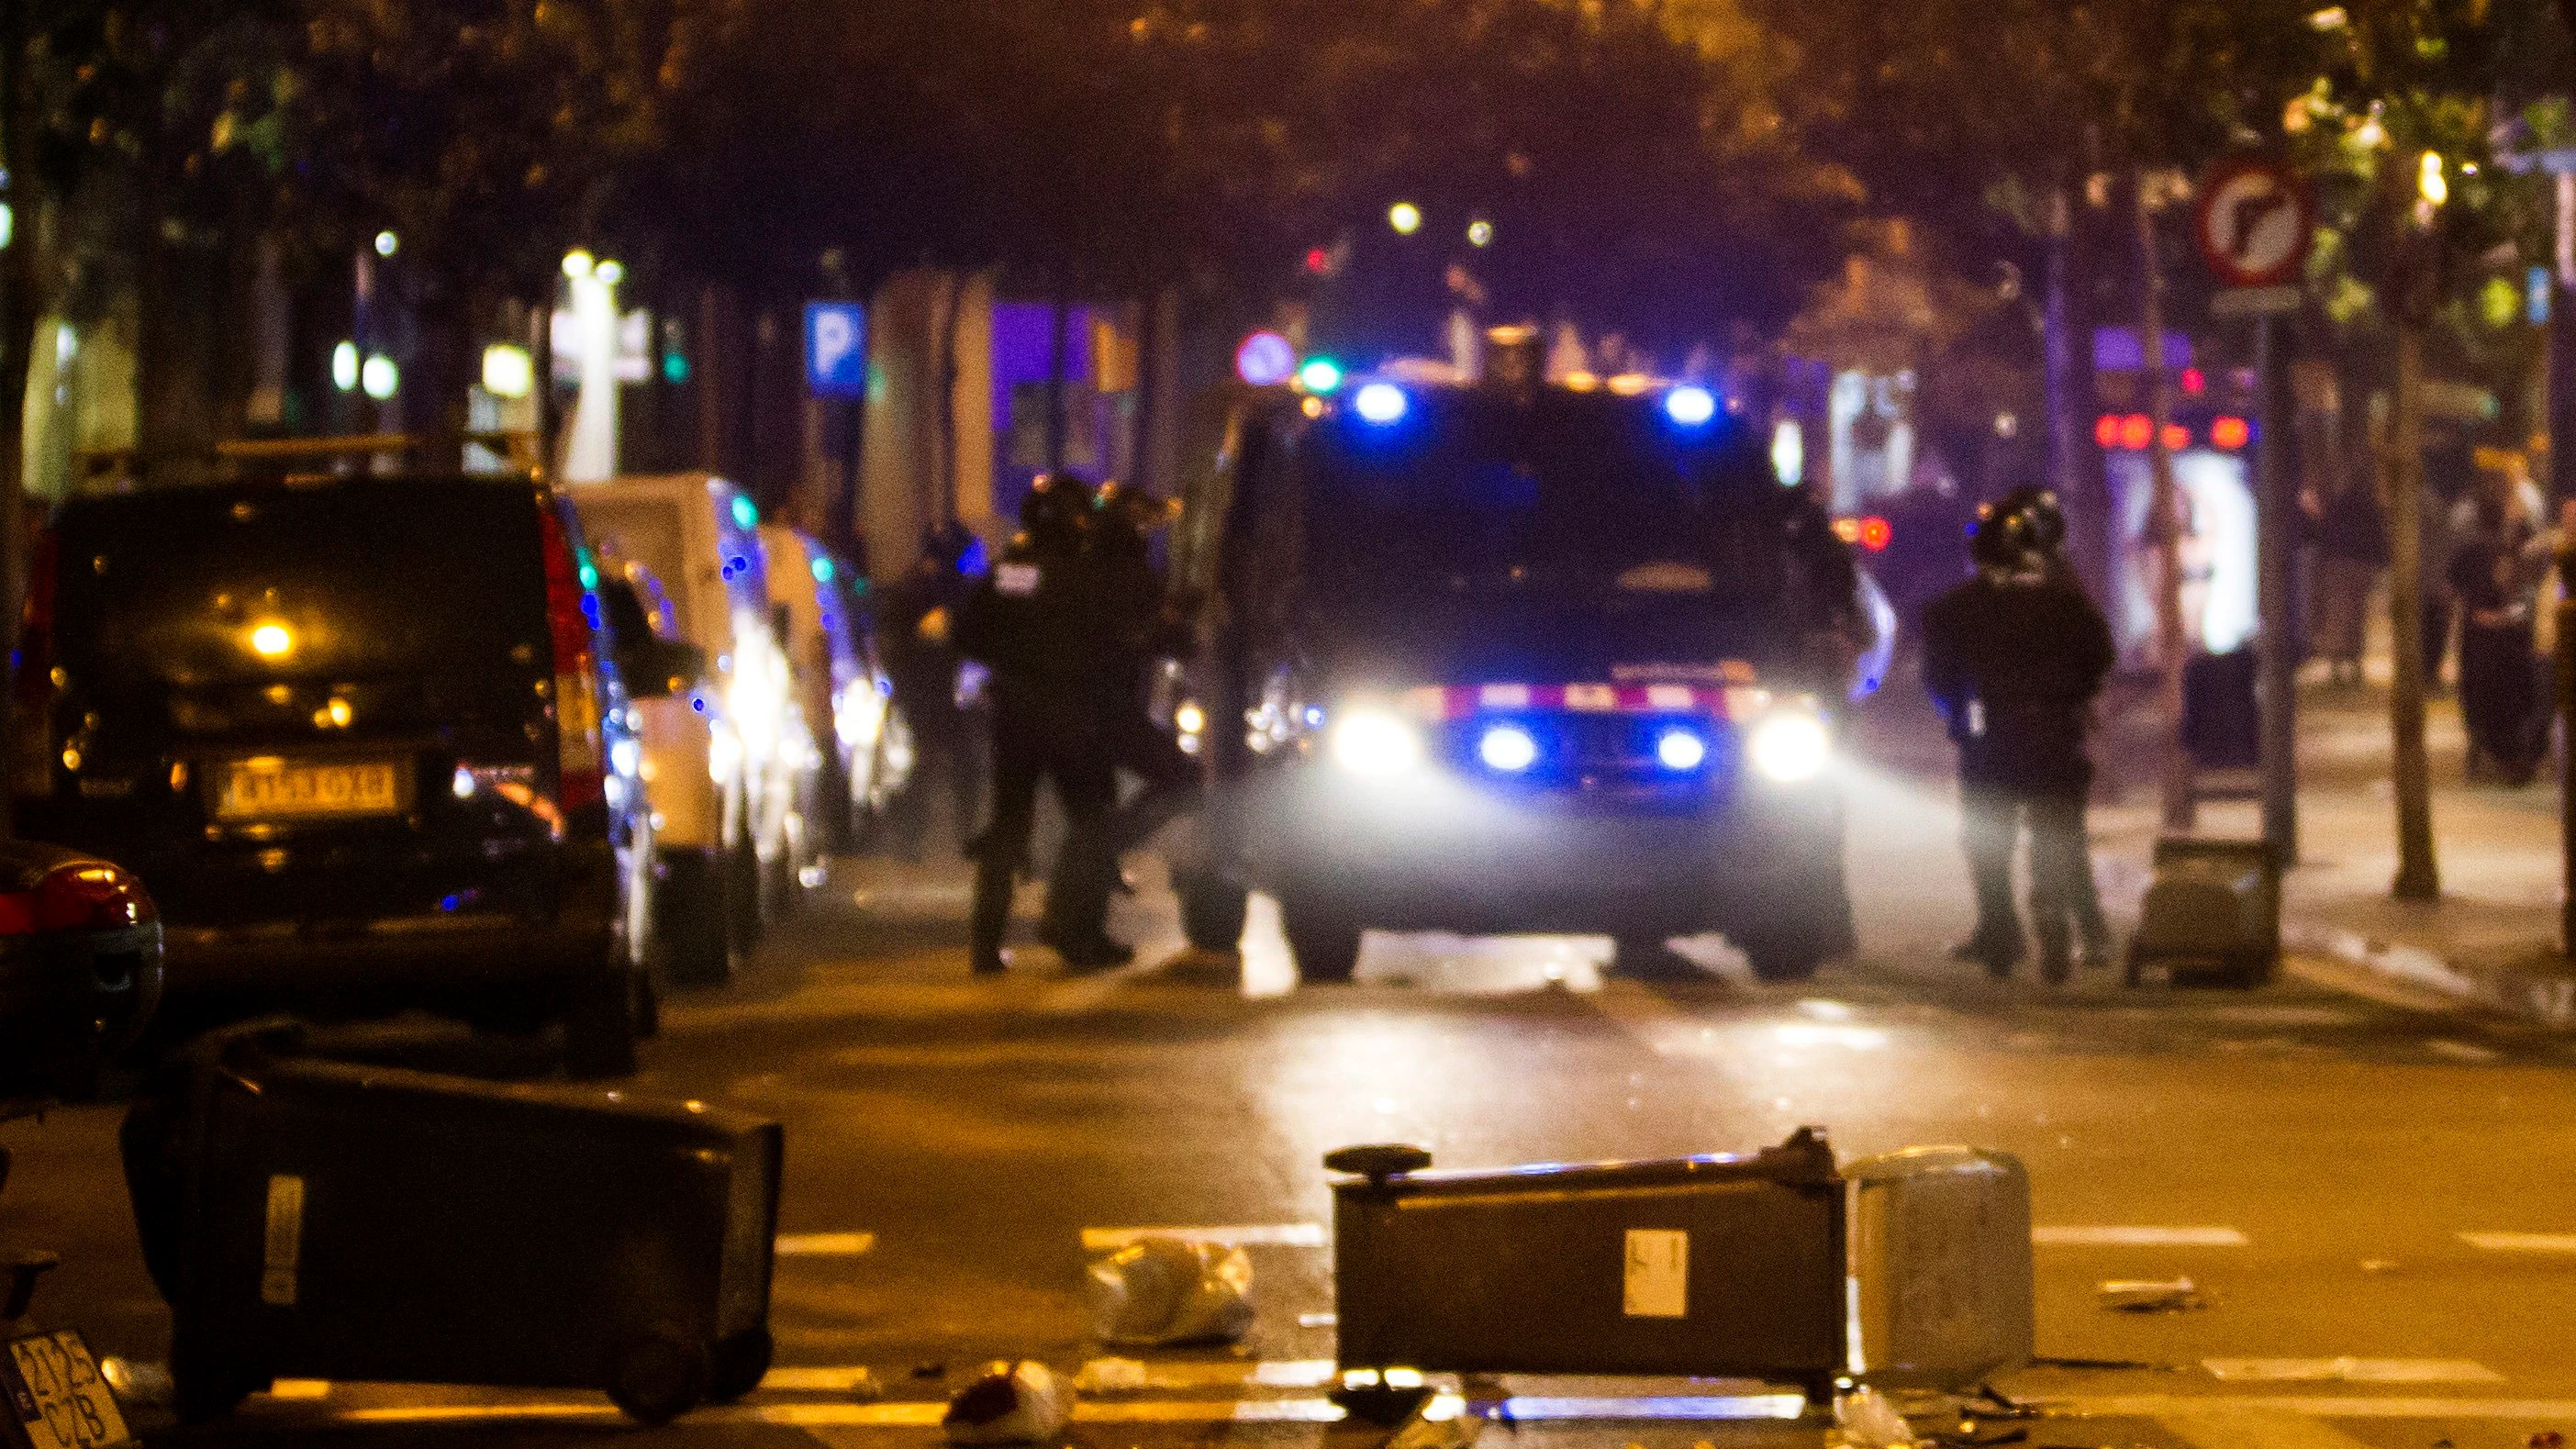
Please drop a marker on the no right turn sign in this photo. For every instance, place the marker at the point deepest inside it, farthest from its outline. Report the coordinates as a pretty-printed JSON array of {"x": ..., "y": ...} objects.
[{"x": 2253, "y": 223}]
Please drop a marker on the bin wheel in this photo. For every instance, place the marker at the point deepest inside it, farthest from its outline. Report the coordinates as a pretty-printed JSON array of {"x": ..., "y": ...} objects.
[
  {"x": 1323, "y": 936},
  {"x": 658, "y": 1378},
  {"x": 741, "y": 1362},
  {"x": 600, "y": 1027}
]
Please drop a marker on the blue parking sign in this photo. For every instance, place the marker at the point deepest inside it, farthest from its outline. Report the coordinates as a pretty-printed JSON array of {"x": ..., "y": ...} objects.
[{"x": 836, "y": 349}]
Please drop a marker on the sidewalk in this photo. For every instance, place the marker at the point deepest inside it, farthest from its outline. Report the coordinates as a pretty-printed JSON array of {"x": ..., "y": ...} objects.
[{"x": 2493, "y": 936}]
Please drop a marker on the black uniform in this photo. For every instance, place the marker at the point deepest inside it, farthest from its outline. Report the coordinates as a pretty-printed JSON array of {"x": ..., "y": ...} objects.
[
  {"x": 917, "y": 615},
  {"x": 2013, "y": 659},
  {"x": 1038, "y": 622}
]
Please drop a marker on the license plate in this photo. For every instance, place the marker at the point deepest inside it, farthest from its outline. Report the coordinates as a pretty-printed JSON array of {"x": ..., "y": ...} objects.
[
  {"x": 286, "y": 790},
  {"x": 59, "y": 1399}
]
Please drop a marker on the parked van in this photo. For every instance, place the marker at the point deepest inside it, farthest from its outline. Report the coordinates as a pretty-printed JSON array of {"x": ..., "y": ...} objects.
[
  {"x": 726, "y": 831},
  {"x": 845, "y": 694}
]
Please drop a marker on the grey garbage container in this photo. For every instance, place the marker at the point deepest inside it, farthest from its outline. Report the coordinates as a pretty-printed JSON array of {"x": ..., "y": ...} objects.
[
  {"x": 2212, "y": 915},
  {"x": 318, "y": 1219}
]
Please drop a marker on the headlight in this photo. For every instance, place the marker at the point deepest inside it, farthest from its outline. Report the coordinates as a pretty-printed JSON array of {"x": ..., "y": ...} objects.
[
  {"x": 1507, "y": 748},
  {"x": 1371, "y": 742},
  {"x": 1680, "y": 750},
  {"x": 1790, "y": 746}
]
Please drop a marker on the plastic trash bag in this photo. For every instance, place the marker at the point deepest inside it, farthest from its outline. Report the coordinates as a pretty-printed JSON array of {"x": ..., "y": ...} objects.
[
  {"x": 1162, "y": 1291},
  {"x": 1009, "y": 1403},
  {"x": 1869, "y": 1421}
]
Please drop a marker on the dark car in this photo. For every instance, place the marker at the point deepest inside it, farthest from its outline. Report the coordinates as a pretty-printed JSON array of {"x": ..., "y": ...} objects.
[
  {"x": 362, "y": 737},
  {"x": 1523, "y": 659}
]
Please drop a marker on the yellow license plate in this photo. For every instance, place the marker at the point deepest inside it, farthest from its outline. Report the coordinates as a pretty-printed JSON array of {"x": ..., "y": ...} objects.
[
  {"x": 288, "y": 790},
  {"x": 53, "y": 1387}
]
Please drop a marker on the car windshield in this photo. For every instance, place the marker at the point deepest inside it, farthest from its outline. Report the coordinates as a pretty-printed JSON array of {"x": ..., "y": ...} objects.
[
  {"x": 378, "y": 578},
  {"x": 1565, "y": 496}
]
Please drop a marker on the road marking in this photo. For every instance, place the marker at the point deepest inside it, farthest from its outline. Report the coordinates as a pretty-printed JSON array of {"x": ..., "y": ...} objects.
[
  {"x": 2138, "y": 1237},
  {"x": 2170, "y": 1406},
  {"x": 2460, "y": 1051},
  {"x": 928, "y": 1415},
  {"x": 1271, "y": 1235},
  {"x": 1691, "y": 1406},
  {"x": 1292, "y": 1373},
  {"x": 2351, "y": 1370},
  {"x": 824, "y": 1245},
  {"x": 2223, "y": 1428},
  {"x": 2522, "y": 1242},
  {"x": 799, "y": 1380},
  {"x": 300, "y": 1389}
]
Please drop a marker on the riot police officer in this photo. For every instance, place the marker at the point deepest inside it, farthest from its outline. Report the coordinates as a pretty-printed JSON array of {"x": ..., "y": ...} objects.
[
  {"x": 2013, "y": 659},
  {"x": 1146, "y": 626},
  {"x": 1039, "y": 622}
]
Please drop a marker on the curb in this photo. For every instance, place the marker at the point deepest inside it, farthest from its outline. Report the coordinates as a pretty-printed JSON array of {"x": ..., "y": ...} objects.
[{"x": 2545, "y": 997}]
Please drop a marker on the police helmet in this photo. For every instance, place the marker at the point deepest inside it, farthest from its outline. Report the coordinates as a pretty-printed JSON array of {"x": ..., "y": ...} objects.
[
  {"x": 2022, "y": 527},
  {"x": 1057, "y": 510},
  {"x": 1133, "y": 508}
]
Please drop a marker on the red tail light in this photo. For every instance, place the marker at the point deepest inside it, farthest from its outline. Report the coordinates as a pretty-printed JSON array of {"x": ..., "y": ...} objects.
[
  {"x": 85, "y": 895},
  {"x": 31, "y": 764},
  {"x": 1875, "y": 534},
  {"x": 569, "y": 608}
]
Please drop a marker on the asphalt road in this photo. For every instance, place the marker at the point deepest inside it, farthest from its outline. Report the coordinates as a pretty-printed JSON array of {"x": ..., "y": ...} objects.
[{"x": 2328, "y": 1165}]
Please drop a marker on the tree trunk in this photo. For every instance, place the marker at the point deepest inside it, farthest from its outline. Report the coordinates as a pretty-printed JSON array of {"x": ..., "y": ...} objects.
[
  {"x": 2164, "y": 528},
  {"x": 2402, "y": 468}
]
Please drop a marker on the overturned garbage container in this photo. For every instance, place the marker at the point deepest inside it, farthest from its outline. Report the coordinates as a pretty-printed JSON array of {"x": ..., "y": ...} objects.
[
  {"x": 2212, "y": 915},
  {"x": 317, "y": 1219},
  {"x": 1910, "y": 1270}
]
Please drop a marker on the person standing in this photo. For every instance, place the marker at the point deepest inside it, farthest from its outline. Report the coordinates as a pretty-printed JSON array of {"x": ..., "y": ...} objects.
[
  {"x": 2490, "y": 573},
  {"x": 1039, "y": 622},
  {"x": 2012, "y": 659},
  {"x": 2352, "y": 549},
  {"x": 919, "y": 614}
]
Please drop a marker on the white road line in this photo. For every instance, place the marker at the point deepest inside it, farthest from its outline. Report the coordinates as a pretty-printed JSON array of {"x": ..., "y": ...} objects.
[
  {"x": 1700, "y": 1406},
  {"x": 792, "y": 1379},
  {"x": 2351, "y": 1370},
  {"x": 2522, "y": 1242},
  {"x": 825, "y": 1245},
  {"x": 1277, "y": 1235},
  {"x": 2168, "y": 1406},
  {"x": 1160, "y": 1375},
  {"x": 2138, "y": 1237},
  {"x": 2460, "y": 1051}
]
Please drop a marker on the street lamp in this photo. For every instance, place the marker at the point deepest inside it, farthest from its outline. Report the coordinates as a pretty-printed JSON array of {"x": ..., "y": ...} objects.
[
  {"x": 1480, "y": 233},
  {"x": 1405, "y": 217}
]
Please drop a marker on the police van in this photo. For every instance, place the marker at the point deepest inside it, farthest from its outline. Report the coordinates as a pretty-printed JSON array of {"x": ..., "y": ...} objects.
[{"x": 1516, "y": 657}]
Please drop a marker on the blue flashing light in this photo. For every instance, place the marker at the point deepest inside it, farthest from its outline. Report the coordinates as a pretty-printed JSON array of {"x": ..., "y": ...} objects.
[
  {"x": 1690, "y": 405},
  {"x": 1507, "y": 748},
  {"x": 1320, "y": 375},
  {"x": 1680, "y": 750},
  {"x": 975, "y": 560},
  {"x": 746, "y": 514},
  {"x": 1381, "y": 403},
  {"x": 698, "y": 702},
  {"x": 822, "y": 571}
]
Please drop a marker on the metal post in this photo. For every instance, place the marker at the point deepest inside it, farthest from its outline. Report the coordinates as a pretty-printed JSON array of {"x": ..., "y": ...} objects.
[
  {"x": 2566, "y": 605},
  {"x": 2276, "y": 536},
  {"x": 843, "y": 524}
]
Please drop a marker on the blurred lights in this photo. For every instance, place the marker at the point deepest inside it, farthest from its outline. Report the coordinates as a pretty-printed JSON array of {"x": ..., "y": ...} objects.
[
  {"x": 2230, "y": 433},
  {"x": 2176, "y": 437},
  {"x": 1320, "y": 375},
  {"x": 1507, "y": 748},
  {"x": 508, "y": 371},
  {"x": 1680, "y": 750},
  {"x": 610, "y": 273},
  {"x": 1405, "y": 217},
  {"x": 2135, "y": 431},
  {"x": 1690, "y": 405},
  {"x": 1371, "y": 742},
  {"x": 1381, "y": 403},
  {"x": 379, "y": 378},
  {"x": 1789, "y": 453},
  {"x": 1265, "y": 359},
  {"x": 344, "y": 366},
  {"x": 387, "y": 243},
  {"x": 822, "y": 571},
  {"x": 1790, "y": 747},
  {"x": 577, "y": 264},
  {"x": 8, "y": 225},
  {"x": 1480, "y": 233},
  {"x": 2429, "y": 181},
  {"x": 746, "y": 514},
  {"x": 272, "y": 641}
]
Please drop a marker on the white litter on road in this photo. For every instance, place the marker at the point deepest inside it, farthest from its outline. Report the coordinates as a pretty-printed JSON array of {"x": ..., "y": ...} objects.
[
  {"x": 2138, "y": 1237},
  {"x": 2351, "y": 1370},
  {"x": 825, "y": 1245},
  {"x": 2522, "y": 1242},
  {"x": 1250, "y": 1235}
]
